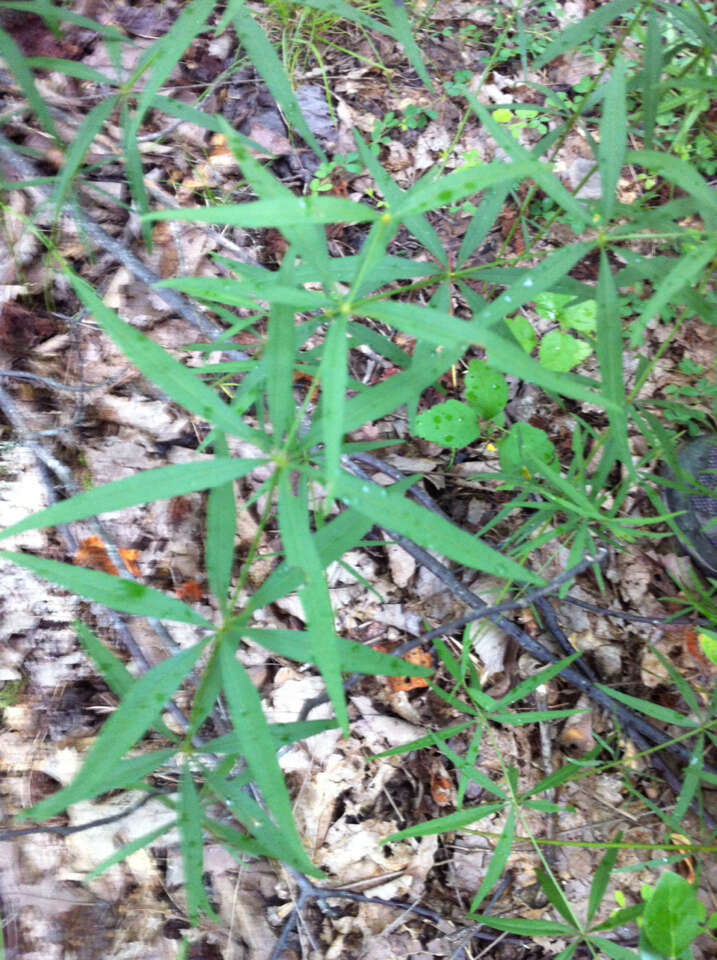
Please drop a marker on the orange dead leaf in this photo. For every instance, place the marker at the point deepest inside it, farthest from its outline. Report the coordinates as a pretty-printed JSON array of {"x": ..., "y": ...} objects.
[
  {"x": 190, "y": 591},
  {"x": 92, "y": 553},
  {"x": 422, "y": 659},
  {"x": 441, "y": 788}
]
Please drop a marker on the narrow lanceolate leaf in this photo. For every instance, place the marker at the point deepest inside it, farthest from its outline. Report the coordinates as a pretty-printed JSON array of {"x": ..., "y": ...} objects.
[
  {"x": 168, "y": 50},
  {"x": 113, "y": 592},
  {"x": 86, "y": 133},
  {"x": 497, "y": 862},
  {"x": 301, "y": 552},
  {"x": 191, "y": 845},
  {"x": 579, "y": 33},
  {"x": 17, "y": 65},
  {"x": 111, "y": 669},
  {"x": 543, "y": 175},
  {"x": 650, "y": 77},
  {"x": 268, "y": 65},
  {"x": 610, "y": 358},
  {"x": 613, "y": 138},
  {"x": 160, "y": 484},
  {"x": 683, "y": 175},
  {"x": 258, "y": 749},
  {"x": 221, "y": 530},
  {"x": 429, "y": 530},
  {"x": 430, "y": 194},
  {"x": 395, "y": 13},
  {"x": 284, "y": 212},
  {"x": 680, "y": 277},
  {"x": 602, "y": 878},
  {"x": 138, "y": 711},
  {"x": 164, "y": 371},
  {"x": 128, "y": 849}
]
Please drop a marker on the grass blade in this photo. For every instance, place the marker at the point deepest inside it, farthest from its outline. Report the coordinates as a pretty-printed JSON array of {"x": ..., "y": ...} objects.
[
  {"x": 395, "y": 13},
  {"x": 650, "y": 77}
]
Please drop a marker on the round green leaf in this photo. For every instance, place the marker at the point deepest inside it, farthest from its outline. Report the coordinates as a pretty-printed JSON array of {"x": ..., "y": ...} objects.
[
  {"x": 486, "y": 389},
  {"x": 672, "y": 915},
  {"x": 561, "y": 352},
  {"x": 452, "y": 424},
  {"x": 579, "y": 316}
]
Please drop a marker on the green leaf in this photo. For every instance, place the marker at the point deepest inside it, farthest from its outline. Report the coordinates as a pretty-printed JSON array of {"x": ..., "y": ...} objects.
[
  {"x": 454, "y": 821},
  {"x": 451, "y": 424},
  {"x": 613, "y": 137},
  {"x": 555, "y": 895},
  {"x": 354, "y": 657},
  {"x": 114, "y": 592},
  {"x": 281, "y": 213},
  {"x": 127, "y": 850},
  {"x": 690, "y": 783},
  {"x": 429, "y": 530},
  {"x": 682, "y": 174},
  {"x": 654, "y": 710},
  {"x": 576, "y": 34},
  {"x": 158, "y": 366},
  {"x": 160, "y": 484},
  {"x": 486, "y": 389},
  {"x": 429, "y": 193},
  {"x": 221, "y": 531},
  {"x": 497, "y": 862},
  {"x": 650, "y": 77},
  {"x": 522, "y": 446},
  {"x": 138, "y": 711},
  {"x": 527, "y": 928},
  {"x": 561, "y": 352},
  {"x": 257, "y": 747},
  {"x": 672, "y": 915},
  {"x": 71, "y": 68},
  {"x": 111, "y": 669},
  {"x": 301, "y": 552},
  {"x": 189, "y": 822},
  {"x": 85, "y": 134},
  {"x": 334, "y": 381},
  {"x": 17, "y": 65},
  {"x": 166, "y": 52},
  {"x": 521, "y": 329},
  {"x": 602, "y": 878},
  {"x": 396, "y": 15},
  {"x": 263, "y": 55}
]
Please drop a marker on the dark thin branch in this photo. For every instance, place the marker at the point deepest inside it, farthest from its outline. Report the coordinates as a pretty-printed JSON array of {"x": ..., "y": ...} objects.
[{"x": 8, "y": 835}]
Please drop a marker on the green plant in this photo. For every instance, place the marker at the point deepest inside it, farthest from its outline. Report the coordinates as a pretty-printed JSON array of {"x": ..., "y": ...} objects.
[
  {"x": 311, "y": 315},
  {"x": 322, "y": 183}
]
